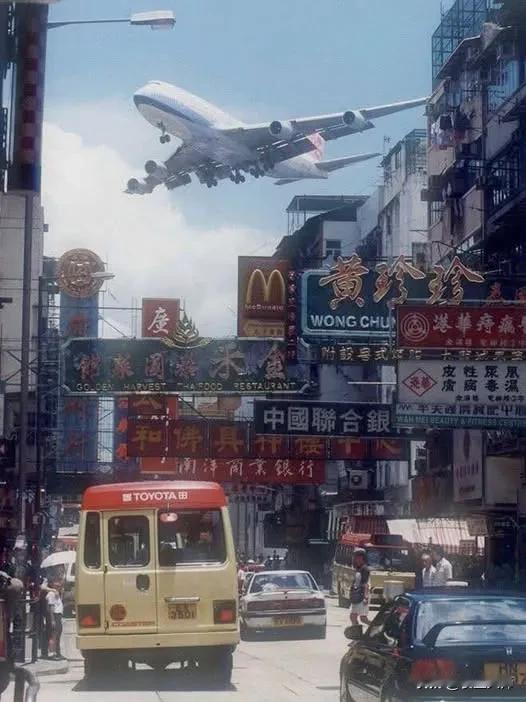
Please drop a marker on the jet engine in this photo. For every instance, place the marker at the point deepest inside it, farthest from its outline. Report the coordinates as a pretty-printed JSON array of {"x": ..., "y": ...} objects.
[
  {"x": 354, "y": 118},
  {"x": 156, "y": 170},
  {"x": 281, "y": 130},
  {"x": 136, "y": 186}
]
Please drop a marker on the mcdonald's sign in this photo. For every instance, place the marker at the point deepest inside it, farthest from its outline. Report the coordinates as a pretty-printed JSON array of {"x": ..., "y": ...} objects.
[{"x": 262, "y": 296}]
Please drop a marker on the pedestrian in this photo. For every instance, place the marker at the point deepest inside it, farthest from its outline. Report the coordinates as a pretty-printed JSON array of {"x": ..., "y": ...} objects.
[
  {"x": 268, "y": 563},
  {"x": 55, "y": 608},
  {"x": 360, "y": 588},
  {"x": 443, "y": 568},
  {"x": 428, "y": 570}
]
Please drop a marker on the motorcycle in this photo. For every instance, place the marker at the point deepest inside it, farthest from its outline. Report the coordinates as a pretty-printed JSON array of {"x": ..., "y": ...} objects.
[{"x": 26, "y": 684}]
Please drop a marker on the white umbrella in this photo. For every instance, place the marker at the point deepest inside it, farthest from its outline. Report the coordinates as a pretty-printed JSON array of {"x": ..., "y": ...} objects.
[{"x": 58, "y": 558}]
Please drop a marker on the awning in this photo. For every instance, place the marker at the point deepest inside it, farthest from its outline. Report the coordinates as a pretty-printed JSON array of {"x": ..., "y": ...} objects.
[
  {"x": 369, "y": 525},
  {"x": 452, "y": 534}
]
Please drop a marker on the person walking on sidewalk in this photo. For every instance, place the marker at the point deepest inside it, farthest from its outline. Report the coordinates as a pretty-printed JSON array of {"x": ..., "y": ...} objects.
[
  {"x": 55, "y": 609},
  {"x": 360, "y": 588}
]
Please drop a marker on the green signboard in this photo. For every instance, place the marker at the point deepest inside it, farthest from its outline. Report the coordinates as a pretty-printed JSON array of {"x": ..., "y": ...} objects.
[{"x": 208, "y": 367}]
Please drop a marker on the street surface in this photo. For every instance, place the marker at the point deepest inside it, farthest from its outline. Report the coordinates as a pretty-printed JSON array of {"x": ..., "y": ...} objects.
[{"x": 263, "y": 670}]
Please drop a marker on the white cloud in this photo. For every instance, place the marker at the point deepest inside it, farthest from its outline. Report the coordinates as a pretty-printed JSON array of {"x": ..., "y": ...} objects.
[{"x": 147, "y": 242}]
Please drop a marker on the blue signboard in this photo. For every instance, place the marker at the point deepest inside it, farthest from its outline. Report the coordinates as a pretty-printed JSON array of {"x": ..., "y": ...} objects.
[{"x": 78, "y": 416}]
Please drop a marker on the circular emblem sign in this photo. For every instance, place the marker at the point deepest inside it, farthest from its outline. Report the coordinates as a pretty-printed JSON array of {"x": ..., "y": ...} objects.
[
  {"x": 75, "y": 273},
  {"x": 415, "y": 327}
]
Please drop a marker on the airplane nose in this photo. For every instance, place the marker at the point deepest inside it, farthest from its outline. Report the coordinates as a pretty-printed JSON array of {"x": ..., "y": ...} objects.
[{"x": 139, "y": 95}]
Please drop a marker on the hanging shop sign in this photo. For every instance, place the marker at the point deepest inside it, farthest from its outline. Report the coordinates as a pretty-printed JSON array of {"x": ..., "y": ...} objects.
[
  {"x": 489, "y": 327},
  {"x": 461, "y": 394},
  {"x": 347, "y": 354},
  {"x": 261, "y": 471},
  {"x": 468, "y": 465},
  {"x": 323, "y": 418},
  {"x": 262, "y": 296},
  {"x": 210, "y": 366},
  {"x": 79, "y": 273},
  {"x": 160, "y": 317},
  {"x": 502, "y": 480},
  {"x": 154, "y": 437},
  {"x": 352, "y": 300}
]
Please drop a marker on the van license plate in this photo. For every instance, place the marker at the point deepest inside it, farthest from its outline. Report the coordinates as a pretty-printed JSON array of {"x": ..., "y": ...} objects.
[
  {"x": 506, "y": 672},
  {"x": 182, "y": 611},
  {"x": 287, "y": 621}
]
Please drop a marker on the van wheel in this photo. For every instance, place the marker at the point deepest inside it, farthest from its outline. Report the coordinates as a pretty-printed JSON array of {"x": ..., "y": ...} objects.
[
  {"x": 220, "y": 667},
  {"x": 94, "y": 666}
]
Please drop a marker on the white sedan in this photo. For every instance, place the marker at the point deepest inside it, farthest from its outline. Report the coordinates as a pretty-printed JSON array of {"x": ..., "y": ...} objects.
[{"x": 283, "y": 599}]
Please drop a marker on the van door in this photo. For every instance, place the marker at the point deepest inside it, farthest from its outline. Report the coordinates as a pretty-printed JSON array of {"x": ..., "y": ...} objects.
[
  {"x": 130, "y": 583},
  {"x": 197, "y": 573}
]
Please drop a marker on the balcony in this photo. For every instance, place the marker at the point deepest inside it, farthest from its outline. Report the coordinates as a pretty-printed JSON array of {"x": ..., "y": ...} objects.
[
  {"x": 440, "y": 160},
  {"x": 507, "y": 188}
]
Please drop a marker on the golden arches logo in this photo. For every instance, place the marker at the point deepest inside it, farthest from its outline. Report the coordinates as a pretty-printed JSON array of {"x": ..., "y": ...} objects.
[{"x": 275, "y": 283}]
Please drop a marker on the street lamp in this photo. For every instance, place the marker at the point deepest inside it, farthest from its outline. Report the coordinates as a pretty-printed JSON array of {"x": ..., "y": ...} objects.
[{"x": 156, "y": 19}]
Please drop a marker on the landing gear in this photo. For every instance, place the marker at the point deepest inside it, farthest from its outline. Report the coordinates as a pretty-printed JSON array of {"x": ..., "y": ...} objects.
[
  {"x": 236, "y": 176},
  {"x": 164, "y": 138}
]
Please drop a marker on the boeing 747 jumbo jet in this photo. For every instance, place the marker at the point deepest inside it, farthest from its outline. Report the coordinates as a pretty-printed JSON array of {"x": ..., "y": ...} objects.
[{"x": 216, "y": 146}]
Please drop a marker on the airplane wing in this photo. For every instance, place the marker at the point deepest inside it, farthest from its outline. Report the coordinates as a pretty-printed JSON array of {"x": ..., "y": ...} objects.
[
  {"x": 337, "y": 163},
  {"x": 330, "y": 126}
]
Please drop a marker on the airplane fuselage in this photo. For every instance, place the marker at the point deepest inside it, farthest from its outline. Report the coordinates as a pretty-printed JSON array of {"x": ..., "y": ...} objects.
[{"x": 193, "y": 120}]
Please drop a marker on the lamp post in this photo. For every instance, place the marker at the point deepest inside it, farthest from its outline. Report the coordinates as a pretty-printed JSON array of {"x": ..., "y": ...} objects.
[
  {"x": 24, "y": 175},
  {"x": 156, "y": 19}
]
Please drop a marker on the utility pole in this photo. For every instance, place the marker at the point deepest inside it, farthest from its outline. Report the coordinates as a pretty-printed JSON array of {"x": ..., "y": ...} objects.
[{"x": 24, "y": 178}]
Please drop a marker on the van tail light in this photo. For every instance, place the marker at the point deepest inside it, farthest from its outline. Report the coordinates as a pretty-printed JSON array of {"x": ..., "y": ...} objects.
[
  {"x": 432, "y": 669},
  {"x": 88, "y": 616},
  {"x": 225, "y": 611}
]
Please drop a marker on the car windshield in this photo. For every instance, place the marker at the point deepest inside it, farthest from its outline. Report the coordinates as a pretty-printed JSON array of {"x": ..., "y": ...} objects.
[
  {"x": 388, "y": 559},
  {"x": 472, "y": 610},
  {"x": 290, "y": 581}
]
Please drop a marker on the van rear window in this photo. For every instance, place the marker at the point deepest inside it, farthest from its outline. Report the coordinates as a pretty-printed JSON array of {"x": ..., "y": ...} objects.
[
  {"x": 191, "y": 536},
  {"x": 92, "y": 540},
  {"x": 129, "y": 541}
]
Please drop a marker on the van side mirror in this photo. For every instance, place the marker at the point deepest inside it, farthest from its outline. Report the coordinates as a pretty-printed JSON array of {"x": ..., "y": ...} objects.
[{"x": 354, "y": 633}]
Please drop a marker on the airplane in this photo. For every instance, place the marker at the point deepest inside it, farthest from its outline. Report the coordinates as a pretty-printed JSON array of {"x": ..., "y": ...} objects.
[{"x": 216, "y": 146}]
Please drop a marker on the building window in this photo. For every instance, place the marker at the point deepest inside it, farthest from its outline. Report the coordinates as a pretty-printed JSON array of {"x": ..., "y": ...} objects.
[
  {"x": 333, "y": 248},
  {"x": 398, "y": 159}
]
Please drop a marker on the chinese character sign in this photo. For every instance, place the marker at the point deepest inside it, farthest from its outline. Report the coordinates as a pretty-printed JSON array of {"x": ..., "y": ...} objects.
[
  {"x": 240, "y": 366},
  {"x": 490, "y": 327},
  {"x": 259, "y": 471},
  {"x": 353, "y": 301},
  {"x": 323, "y": 418},
  {"x": 160, "y": 316},
  {"x": 461, "y": 394}
]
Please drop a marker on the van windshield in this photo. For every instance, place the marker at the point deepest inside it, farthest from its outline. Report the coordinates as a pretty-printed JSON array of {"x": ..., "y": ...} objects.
[{"x": 191, "y": 536}]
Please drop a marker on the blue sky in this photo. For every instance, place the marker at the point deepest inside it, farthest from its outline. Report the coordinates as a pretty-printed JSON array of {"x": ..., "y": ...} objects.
[{"x": 259, "y": 60}]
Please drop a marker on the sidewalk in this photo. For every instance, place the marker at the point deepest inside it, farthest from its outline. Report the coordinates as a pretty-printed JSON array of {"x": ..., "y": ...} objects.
[{"x": 44, "y": 667}]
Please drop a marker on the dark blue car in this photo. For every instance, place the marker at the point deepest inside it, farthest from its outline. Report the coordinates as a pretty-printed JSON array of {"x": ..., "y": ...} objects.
[{"x": 447, "y": 644}]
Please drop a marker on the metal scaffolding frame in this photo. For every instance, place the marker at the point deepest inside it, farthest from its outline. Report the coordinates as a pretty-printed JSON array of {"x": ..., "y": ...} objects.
[{"x": 464, "y": 19}]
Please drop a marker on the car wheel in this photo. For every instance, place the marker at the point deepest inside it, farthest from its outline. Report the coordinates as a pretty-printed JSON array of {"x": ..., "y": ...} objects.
[
  {"x": 344, "y": 691},
  {"x": 245, "y": 633}
]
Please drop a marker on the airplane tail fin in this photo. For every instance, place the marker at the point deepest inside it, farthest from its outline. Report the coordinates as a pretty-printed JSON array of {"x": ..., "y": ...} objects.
[
  {"x": 318, "y": 142},
  {"x": 336, "y": 163}
]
